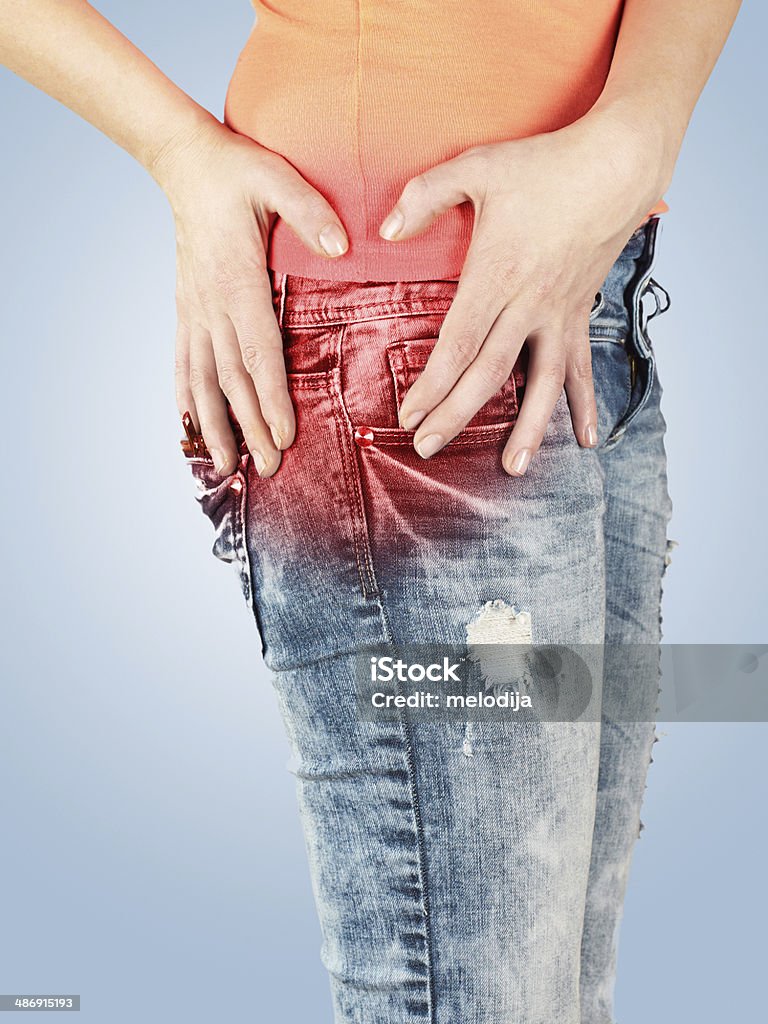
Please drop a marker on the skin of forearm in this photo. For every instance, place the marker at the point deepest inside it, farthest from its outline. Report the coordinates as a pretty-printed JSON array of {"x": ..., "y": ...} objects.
[
  {"x": 664, "y": 55},
  {"x": 70, "y": 51}
]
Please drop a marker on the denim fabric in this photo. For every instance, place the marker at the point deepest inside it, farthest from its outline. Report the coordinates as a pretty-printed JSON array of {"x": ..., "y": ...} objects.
[{"x": 471, "y": 873}]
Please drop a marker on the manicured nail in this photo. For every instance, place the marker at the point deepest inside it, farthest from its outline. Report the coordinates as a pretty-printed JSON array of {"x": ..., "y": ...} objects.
[
  {"x": 393, "y": 225},
  {"x": 333, "y": 240},
  {"x": 276, "y": 437},
  {"x": 590, "y": 435},
  {"x": 413, "y": 419},
  {"x": 429, "y": 445},
  {"x": 219, "y": 460},
  {"x": 520, "y": 462},
  {"x": 259, "y": 462}
]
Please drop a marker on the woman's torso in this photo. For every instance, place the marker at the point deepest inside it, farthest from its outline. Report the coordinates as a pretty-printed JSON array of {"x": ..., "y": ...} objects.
[{"x": 361, "y": 95}]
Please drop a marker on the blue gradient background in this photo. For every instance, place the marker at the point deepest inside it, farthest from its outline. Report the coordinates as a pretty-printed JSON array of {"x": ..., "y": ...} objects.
[{"x": 150, "y": 854}]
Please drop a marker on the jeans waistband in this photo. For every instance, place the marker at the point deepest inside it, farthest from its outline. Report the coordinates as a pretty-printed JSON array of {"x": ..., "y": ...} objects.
[{"x": 307, "y": 302}]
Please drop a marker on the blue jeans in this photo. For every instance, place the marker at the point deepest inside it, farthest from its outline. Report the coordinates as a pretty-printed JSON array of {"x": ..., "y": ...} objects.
[{"x": 463, "y": 872}]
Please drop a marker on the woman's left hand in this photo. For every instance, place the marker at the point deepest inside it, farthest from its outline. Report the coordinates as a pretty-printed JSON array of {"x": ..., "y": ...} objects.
[{"x": 552, "y": 213}]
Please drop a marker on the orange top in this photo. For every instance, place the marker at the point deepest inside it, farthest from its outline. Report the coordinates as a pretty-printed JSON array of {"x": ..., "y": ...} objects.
[{"x": 361, "y": 95}]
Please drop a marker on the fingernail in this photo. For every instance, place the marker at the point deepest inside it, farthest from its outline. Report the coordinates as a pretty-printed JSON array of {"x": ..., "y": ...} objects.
[
  {"x": 429, "y": 445},
  {"x": 393, "y": 225},
  {"x": 412, "y": 420},
  {"x": 259, "y": 462},
  {"x": 333, "y": 240},
  {"x": 520, "y": 462},
  {"x": 219, "y": 460},
  {"x": 590, "y": 435},
  {"x": 276, "y": 437}
]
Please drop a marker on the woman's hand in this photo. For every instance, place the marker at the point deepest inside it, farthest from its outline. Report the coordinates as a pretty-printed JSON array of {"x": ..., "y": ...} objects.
[
  {"x": 552, "y": 213},
  {"x": 226, "y": 191}
]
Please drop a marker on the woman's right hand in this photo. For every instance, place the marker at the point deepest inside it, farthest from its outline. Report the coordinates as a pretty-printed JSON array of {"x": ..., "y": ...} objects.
[{"x": 226, "y": 191}]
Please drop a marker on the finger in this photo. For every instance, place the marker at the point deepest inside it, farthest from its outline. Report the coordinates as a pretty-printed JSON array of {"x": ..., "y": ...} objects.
[
  {"x": 306, "y": 212},
  {"x": 261, "y": 350},
  {"x": 544, "y": 385},
  {"x": 484, "y": 378},
  {"x": 212, "y": 420},
  {"x": 467, "y": 324},
  {"x": 184, "y": 400},
  {"x": 236, "y": 384},
  {"x": 580, "y": 386},
  {"x": 428, "y": 195}
]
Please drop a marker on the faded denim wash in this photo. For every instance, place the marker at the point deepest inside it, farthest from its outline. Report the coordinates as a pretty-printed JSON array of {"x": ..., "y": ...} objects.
[{"x": 461, "y": 874}]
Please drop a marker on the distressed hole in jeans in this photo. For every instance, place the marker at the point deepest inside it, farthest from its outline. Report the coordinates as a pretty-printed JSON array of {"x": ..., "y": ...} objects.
[{"x": 497, "y": 627}]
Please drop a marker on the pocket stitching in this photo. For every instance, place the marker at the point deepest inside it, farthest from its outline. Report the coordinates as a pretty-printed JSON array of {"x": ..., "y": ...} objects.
[
  {"x": 396, "y": 354},
  {"x": 470, "y": 435},
  {"x": 627, "y": 390}
]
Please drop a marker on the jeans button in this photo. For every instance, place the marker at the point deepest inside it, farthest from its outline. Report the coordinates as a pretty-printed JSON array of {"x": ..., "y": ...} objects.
[{"x": 364, "y": 437}]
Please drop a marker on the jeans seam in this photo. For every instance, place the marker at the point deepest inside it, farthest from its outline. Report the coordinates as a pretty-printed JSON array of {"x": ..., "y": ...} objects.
[
  {"x": 421, "y": 856},
  {"x": 485, "y": 435},
  {"x": 316, "y": 380},
  {"x": 418, "y": 824},
  {"x": 643, "y": 351},
  {"x": 360, "y": 542},
  {"x": 386, "y": 311}
]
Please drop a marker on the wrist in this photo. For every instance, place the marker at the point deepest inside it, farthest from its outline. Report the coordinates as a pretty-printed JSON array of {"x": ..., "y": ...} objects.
[
  {"x": 173, "y": 154},
  {"x": 649, "y": 144}
]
